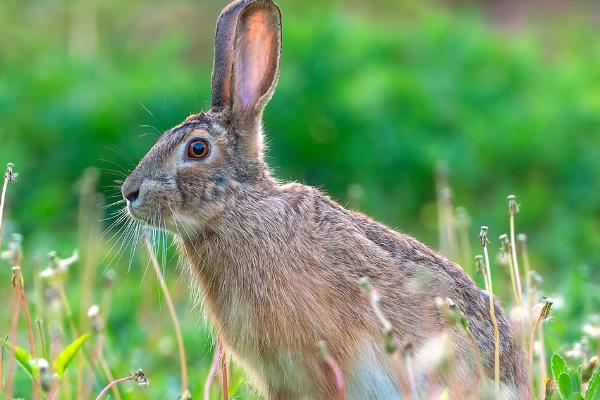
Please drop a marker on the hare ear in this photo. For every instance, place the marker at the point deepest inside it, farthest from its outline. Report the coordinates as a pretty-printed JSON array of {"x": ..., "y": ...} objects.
[
  {"x": 223, "y": 63},
  {"x": 256, "y": 52}
]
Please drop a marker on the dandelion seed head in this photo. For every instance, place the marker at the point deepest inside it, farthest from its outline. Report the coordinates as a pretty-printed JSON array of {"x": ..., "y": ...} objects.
[
  {"x": 592, "y": 331},
  {"x": 42, "y": 364},
  {"x": 140, "y": 378},
  {"x": 93, "y": 311}
]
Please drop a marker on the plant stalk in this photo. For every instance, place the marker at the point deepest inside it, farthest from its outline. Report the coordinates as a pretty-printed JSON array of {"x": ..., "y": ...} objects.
[
  {"x": 213, "y": 370},
  {"x": 111, "y": 384},
  {"x": 335, "y": 368},
  {"x": 488, "y": 277},
  {"x": 171, "y": 307}
]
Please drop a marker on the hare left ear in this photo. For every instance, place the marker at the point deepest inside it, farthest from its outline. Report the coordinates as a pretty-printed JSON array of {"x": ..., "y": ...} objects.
[
  {"x": 256, "y": 53},
  {"x": 223, "y": 62}
]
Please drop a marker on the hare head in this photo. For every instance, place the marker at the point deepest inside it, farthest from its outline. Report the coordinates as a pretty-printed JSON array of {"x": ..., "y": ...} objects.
[{"x": 209, "y": 157}]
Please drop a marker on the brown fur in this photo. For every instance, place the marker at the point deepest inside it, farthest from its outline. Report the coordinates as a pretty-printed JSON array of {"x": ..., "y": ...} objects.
[{"x": 279, "y": 265}]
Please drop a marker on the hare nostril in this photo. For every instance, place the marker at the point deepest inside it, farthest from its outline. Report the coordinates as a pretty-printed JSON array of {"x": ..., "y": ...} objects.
[{"x": 132, "y": 196}]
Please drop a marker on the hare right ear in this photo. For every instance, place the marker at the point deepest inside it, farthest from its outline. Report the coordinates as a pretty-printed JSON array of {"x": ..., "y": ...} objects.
[{"x": 223, "y": 63}]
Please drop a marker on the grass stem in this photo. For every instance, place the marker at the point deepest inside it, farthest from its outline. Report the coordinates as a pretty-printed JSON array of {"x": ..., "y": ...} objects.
[
  {"x": 212, "y": 372},
  {"x": 335, "y": 368},
  {"x": 171, "y": 307},
  {"x": 104, "y": 366},
  {"x": 506, "y": 249},
  {"x": 19, "y": 287},
  {"x": 111, "y": 384},
  {"x": 488, "y": 277},
  {"x": 40, "y": 328},
  {"x": 9, "y": 176},
  {"x": 513, "y": 209},
  {"x": 13, "y": 341},
  {"x": 138, "y": 377},
  {"x": 390, "y": 344},
  {"x": 522, "y": 240},
  {"x": 2, "y": 350},
  {"x": 545, "y": 311},
  {"x": 224, "y": 377}
]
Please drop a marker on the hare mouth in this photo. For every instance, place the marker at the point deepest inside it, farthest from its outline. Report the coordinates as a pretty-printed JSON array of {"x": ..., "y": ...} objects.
[
  {"x": 140, "y": 215},
  {"x": 149, "y": 219}
]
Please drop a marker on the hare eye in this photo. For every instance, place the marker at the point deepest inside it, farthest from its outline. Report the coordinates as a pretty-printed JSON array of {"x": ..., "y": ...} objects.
[{"x": 198, "y": 149}]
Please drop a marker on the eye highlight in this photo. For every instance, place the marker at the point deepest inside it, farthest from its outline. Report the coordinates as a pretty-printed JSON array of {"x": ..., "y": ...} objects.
[{"x": 198, "y": 149}]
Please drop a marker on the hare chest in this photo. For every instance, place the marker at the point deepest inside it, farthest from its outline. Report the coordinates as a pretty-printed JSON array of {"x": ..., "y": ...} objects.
[{"x": 292, "y": 374}]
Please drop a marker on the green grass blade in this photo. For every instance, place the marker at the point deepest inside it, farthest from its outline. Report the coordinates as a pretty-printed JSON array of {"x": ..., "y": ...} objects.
[
  {"x": 575, "y": 374},
  {"x": 559, "y": 366},
  {"x": 22, "y": 356},
  {"x": 62, "y": 361},
  {"x": 593, "y": 390},
  {"x": 564, "y": 385}
]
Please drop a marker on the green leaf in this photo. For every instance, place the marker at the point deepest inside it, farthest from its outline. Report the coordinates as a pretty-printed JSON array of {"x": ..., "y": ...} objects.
[
  {"x": 564, "y": 385},
  {"x": 576, "y": 396},
  {"x": 575, "y": 379},
  {"x": 62, "y": 361},
  {"x": 22, "y": 356},
  {"x": 593, "y": 390},
  {"x": 559, "y": 366}
]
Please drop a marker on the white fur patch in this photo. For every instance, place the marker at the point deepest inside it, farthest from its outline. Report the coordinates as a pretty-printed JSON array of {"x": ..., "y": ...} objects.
[{"x": 371, "y": 378}]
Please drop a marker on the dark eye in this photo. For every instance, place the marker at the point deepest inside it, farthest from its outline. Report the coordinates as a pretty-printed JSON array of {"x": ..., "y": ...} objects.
[{"x": 198, "y": 148}]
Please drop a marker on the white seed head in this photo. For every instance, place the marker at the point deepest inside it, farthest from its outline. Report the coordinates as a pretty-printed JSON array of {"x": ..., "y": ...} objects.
[
  {"x": 109, "y": 277},
  {"x": 479, "y": 263},
  {"x": 576, "y": 352},
  {"x": 513, "y": 207},
  {"x": 436, "y": 352},
  {"x": 93, "y": 311},
  {"x": 592, "y": 331},
  {"x": 483, "y": 239},
  {"x": 63, "y": 264},
  {"x": 10, "y": 175},
  {"x": 140, "y": 378},
  {"x": 42, "y": 364},
  {"x": 503, "y": 258},
  {"x": 47, "y": 273}
]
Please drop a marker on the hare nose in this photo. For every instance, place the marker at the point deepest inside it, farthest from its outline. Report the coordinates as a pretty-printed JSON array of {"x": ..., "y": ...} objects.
[
  {"x": 132, "y": 196},
  {"x": 131, "y": 189}
]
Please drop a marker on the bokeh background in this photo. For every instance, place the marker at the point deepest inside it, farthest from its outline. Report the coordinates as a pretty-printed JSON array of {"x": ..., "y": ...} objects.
[{"x": 374, "y": 97}]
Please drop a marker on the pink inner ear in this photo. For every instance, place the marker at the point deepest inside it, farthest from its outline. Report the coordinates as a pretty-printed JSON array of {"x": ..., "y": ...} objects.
[{"x": 253, "y": 59}]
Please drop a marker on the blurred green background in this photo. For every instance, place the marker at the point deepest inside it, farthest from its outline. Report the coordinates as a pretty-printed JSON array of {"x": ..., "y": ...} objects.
[{"x": 373, "y": 95}]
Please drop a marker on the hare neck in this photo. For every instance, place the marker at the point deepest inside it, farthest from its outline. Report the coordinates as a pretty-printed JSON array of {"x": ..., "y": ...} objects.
[{"x": 240, "y": 259}]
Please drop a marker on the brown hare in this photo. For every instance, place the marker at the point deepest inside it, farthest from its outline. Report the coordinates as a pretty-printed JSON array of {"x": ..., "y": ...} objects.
[{"x": 279, "y": 265}]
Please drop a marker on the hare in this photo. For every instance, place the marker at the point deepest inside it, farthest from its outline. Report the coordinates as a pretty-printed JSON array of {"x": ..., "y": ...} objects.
[{"x": 278, "y": 265}]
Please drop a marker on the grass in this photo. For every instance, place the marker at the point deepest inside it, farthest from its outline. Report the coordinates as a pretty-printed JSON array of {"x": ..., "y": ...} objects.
[
  {"x": 487, "y": 276},
  {"x": 185, "y": 393},
  {"x": 70, "y": 358}
]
